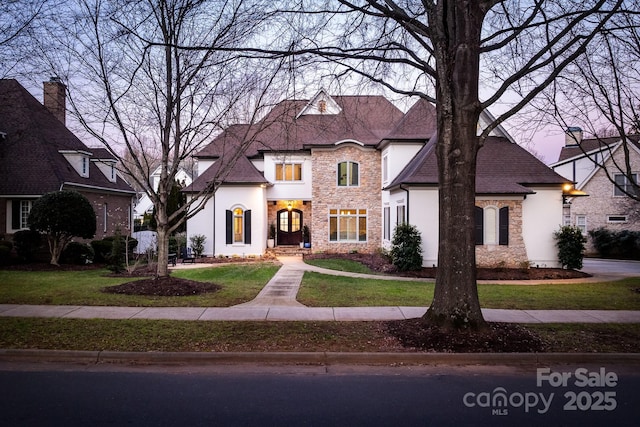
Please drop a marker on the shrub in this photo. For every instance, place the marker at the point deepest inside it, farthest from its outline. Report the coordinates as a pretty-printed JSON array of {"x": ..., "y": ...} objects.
[
  {"x": 570, "y": 242},
  {"x": 116, "y": 256},
  {"x": 27, "y": 243},
  {"x": 62, "y": 215},
  {"x": 5, "y": 252},
  {"x": 406, "y": 250},
  {"x": 101, "y": 249},
  {"x": 77, "y": 253},
  {"x": 616, "y": 244},
  {"x": 197, "y": 244}
]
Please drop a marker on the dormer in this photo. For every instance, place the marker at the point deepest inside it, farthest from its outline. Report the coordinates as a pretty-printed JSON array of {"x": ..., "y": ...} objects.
[
  {"x": 107, "y": 167},
  {"x": 321, "y": 104},
  {"x": 79, "y": 160}
]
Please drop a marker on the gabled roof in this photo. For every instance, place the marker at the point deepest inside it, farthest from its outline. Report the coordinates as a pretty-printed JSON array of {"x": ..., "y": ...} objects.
[
  {"x": 241, "y": 172},
  {"x": 592, "y": 145},
  {"x": 31, "y": 162},
  {"x": 502, "y": 168},
  {"x": 365, "y": 119},
  {"x": 419, "y": 123}
]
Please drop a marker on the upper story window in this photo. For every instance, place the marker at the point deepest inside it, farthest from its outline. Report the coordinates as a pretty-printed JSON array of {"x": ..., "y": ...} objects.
[
  {"x": 113, "y": 173},
  {"x": 288, "y": 172},
  {"x": 85, "y": 166},
  {"x": 385, "y": 168},
  {"x": 624, "y": 186},
  {"x": 348, "y": 174}
]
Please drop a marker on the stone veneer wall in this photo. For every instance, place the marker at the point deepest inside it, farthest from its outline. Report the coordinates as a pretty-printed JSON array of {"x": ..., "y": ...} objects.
[
  {"x": 601, "y": 203},
  {"x": 513, "y": 255},
  {"x": 327, "y": 195}
]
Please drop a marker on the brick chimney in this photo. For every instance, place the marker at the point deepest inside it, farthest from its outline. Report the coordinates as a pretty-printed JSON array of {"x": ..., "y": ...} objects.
[{"x": 55, "y": 93}]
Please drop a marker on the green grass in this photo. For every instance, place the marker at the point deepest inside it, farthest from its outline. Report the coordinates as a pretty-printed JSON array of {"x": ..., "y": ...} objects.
[
  {"x": 319, "y": 290},
  {"x": 240, "y": 283},
  {"x": 164, "y": 335},
  {"x": 340, "y": 265}
]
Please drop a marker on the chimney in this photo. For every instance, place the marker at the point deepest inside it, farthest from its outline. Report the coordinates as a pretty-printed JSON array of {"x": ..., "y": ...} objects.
[
  {"x": 55, "y": 93},
  {"x": 573, "y": 136}
]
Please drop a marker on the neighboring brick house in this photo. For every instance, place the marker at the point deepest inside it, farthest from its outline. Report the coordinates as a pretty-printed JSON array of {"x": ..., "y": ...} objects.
[
  {"x": 580, "y": 161},
  {"x": 351, "y": 168},
  {"x": 38, "y": 154}
]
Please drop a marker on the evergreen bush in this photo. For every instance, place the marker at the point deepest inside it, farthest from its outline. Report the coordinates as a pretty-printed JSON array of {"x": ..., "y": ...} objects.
[
  {"x": 570, "y": 242},
  {"x": 406, "y": 250}
]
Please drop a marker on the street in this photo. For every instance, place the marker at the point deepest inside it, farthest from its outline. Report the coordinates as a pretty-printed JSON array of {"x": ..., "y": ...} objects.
[{"x": 96, "y": 395}]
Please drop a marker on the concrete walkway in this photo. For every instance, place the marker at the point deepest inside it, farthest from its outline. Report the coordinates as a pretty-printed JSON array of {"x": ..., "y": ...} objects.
[{"x": 277, "y": 302}]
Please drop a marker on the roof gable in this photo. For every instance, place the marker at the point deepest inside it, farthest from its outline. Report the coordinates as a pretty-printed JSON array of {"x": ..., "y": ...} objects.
[
  {"x": 502, "y": 168},
  {"x": 32, "y": 155}
]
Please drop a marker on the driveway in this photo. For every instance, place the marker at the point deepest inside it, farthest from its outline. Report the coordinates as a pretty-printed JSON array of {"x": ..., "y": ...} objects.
[{"x": 611, "y": 267}]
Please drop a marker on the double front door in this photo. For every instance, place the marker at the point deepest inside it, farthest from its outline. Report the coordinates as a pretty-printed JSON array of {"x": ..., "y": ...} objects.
[{"x": 289, "y": 227}]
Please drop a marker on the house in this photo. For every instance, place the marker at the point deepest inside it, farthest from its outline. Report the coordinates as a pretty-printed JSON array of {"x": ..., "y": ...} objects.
[
  {"x": 38, "y": 154},
  {"x": 587, "y": 162},
  {"x": 144, "y": 205},
  {"x": 351, "y": 168}
]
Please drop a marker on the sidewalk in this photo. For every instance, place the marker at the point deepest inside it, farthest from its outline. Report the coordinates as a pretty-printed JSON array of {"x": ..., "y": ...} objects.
[{"x": 277, "y": 302}]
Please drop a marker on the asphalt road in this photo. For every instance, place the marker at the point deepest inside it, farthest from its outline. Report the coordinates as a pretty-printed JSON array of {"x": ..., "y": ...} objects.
[{"x": 322, "y": 396}]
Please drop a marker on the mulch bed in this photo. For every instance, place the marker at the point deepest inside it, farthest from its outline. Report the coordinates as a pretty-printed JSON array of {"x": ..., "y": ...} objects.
[
  {"x": 380, "y": 264},
  {"x": 417, "y": 334},
  {"x": 163, "y": 287}
]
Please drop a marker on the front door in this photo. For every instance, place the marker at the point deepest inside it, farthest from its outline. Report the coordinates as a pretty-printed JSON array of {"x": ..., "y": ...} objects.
[{"x": 289, "y": 227}]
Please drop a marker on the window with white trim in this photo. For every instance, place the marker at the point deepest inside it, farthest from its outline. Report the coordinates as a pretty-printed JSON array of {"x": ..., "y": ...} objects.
[
  {"x": 85, "y": 166},
  {"x": 105, "y": 216},
  {"x": 348, "y": 174},
  {"x": 385, "y": 168},
  {"x": 581, "y": 223},
  {"x": 288, "y": 172},
  {"x": 387, "y": 223},
  {"x": 401, "y": 216},
  {"x": 25, "y": 210},
  {"x": 625, "y": 186},
  {"x": 617, "y": 219},
  {"x": 347, "y": 225}
]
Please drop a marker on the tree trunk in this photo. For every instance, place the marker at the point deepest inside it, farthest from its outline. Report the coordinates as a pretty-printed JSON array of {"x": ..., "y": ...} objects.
[
  {"x": 162, "y": 269},
  {"x": 457, "y": 52}
]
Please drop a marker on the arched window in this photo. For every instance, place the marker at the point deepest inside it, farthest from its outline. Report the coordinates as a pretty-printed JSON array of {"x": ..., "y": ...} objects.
[
  {"x": 348, "y": 174},
  {"x": 238, "y": 226},
  {"x": 492, "y": 225}
]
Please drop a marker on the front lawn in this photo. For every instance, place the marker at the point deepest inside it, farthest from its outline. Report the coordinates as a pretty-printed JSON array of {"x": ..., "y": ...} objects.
[
  {"x": 240, "y": 283},
  {"x": 319, "y": 290},
  {"x": 166, "y": 335}
]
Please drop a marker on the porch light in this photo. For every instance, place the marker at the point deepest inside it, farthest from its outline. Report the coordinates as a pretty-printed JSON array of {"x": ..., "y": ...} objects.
[
  {"x": 569, "y": 190},
  {"x": 289, "y": 205}
]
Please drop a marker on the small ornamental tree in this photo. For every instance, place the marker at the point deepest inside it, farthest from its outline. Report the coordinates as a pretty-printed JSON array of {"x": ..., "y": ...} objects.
[
  {"x": 62, "y": 215},
  {"x": 406, "y": 251},
  {"x": 570, "y": 242}
]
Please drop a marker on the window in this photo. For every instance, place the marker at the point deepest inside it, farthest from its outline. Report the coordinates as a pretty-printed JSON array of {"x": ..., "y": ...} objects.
[
  {"x": 105, "y": 216},
  {"x": 385, "y": 168},
  {"x": 347, "y": 225},
  {"x": 387, "y": 223},
  {"x": 20, "y": 210},
  {"x": 288, "y": 172},
  {"x": 25, "y": 209},
  {"x": 85, "y": 166},
  {"x": 113, "y": 173},
  {"x": 624, "y": 186},
  {"x": 238, "y": 226},
  {"x": 401, "y": 216},
  {"x": 616, "y": 219},
  {"x": 566, "y": 220},
  {"x": 492, "y": 226},
  {"x": 581, "y": 223},
  {"x": 348, "y": 174}
]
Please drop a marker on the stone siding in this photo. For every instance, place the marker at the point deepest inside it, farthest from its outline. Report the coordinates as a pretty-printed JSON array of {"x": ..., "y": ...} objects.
[
  {"x": 601, "y": 202},
  {"x": 512, "y": 255},
  {"x": 328, "y": 195}
]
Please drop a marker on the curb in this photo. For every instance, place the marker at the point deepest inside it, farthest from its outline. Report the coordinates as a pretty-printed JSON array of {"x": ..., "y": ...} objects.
[{"x": 313, "y": 358}]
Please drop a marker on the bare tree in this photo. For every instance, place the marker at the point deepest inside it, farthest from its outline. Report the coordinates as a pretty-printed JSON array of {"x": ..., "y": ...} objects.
[
  {"x": 464, "y": 56},
  {"x": 600, "y": 92},
  {"x": 17, "y": 18},
  {"x": 134, "y": 89}
]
